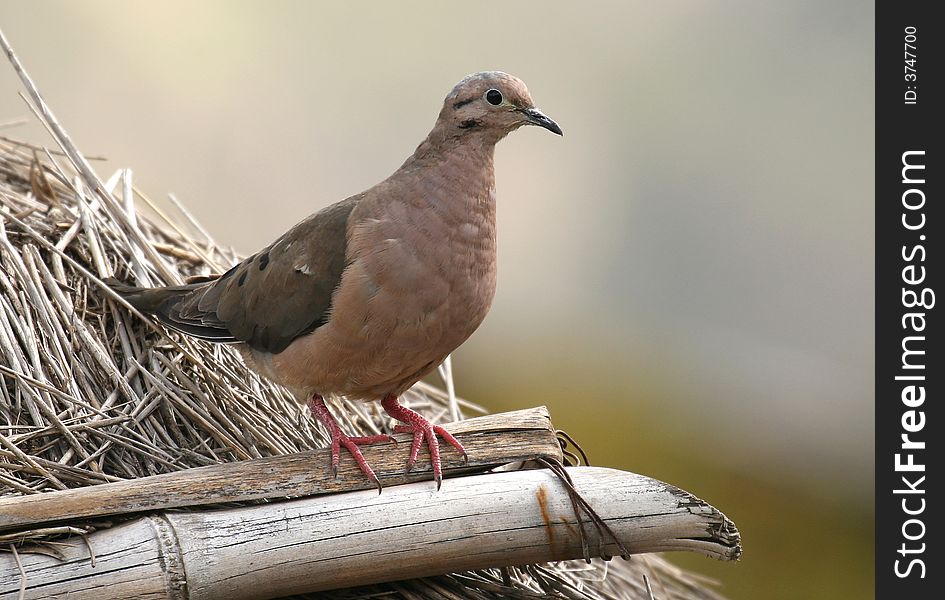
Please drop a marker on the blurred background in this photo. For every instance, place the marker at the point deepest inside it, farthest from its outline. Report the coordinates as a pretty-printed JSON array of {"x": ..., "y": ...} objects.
[{"x": 686, "y": 277}]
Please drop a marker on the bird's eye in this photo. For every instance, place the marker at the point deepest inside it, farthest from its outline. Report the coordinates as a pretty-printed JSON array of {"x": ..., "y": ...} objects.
[{"x": 494, "y": 97}]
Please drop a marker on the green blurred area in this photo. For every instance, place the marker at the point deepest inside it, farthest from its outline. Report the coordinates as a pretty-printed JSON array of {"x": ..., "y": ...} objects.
[
  {"x": 685, "y": 278},
  {"x": 799, "y": 541}
]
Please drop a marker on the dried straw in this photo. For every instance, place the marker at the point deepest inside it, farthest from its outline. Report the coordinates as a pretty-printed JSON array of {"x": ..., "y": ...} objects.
[{"x": 90, "y": 393}]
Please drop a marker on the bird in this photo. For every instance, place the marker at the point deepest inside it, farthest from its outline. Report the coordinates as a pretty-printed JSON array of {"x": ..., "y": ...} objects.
[{"x": 367, "y": 296}]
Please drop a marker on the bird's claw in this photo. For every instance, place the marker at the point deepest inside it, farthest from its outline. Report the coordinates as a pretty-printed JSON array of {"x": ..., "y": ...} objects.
[
  {"x": 428, "y": 431},
  {"x": 351, "y": 443}
]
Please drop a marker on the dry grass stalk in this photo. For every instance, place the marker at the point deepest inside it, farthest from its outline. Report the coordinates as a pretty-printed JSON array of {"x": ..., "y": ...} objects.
[{"x": 90, "y": 394}]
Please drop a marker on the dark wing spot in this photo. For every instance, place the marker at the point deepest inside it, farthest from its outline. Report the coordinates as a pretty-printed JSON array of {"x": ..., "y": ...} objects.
[
  {"x": 242, "y": 279},
  {"x": 263, "y": 261},
  {"x": 469, "y": 124},
  {"x": 462, "y": 103}
]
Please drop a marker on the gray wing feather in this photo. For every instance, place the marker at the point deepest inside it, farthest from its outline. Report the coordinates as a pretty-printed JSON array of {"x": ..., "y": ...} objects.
[{"x": 274, "y": 296}]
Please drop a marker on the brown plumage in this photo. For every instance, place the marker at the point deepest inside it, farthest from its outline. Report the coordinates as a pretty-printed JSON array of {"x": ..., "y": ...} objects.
[{"x": 366, "y": 297}]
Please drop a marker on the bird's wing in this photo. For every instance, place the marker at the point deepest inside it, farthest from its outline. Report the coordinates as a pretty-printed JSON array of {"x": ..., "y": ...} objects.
[{"x": 276, "y": 295}]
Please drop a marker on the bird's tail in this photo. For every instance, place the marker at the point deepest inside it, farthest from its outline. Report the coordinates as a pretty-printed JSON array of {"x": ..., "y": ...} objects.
[
  {"x": 149, "y": 300},
  {"x": 177, "y": 307}
]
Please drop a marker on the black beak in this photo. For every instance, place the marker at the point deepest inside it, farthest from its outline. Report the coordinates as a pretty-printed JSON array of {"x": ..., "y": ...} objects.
[{"x": 536, "y": 117}]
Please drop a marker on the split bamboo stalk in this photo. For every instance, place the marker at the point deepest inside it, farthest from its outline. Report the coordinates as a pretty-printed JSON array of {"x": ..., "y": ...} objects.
[
  {"x": 490, "y": 441},
  {"x": 342, "y": 540}
]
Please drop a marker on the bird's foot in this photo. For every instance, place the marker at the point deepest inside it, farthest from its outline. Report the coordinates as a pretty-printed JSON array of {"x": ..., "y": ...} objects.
[
  {"x": 339, "y": 439},
  {"x": 421, "y": 429}
]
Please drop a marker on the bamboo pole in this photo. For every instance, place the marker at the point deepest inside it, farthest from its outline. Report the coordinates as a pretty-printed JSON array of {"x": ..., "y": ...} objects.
[
  {"x": 490, "y": 441},
  {"x": 355, "y": 538}
]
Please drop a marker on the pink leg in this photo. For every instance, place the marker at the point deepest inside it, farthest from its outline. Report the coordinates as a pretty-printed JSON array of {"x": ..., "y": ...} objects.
[
  {"x": 339, "y": 438},
  {"x": 421, "y": 428}
]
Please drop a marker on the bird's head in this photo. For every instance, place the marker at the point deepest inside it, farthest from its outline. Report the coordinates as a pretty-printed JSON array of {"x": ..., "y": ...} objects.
[{"x": 492, "y": 104}]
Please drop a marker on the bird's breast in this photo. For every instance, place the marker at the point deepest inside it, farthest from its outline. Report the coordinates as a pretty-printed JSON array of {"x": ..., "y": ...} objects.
[
  {"x": 423, "y": 276},
  {"x": 436, "y": 263}
]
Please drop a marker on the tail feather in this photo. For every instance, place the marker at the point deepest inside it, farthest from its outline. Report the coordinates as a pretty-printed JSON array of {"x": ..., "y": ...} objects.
[{"x": 165, "y": 303}]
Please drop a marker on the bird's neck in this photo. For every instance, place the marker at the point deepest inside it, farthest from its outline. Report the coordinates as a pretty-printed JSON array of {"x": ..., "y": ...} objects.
[
  {"x": 446, "y": 141},
  {"x": 463, "y": 165}
]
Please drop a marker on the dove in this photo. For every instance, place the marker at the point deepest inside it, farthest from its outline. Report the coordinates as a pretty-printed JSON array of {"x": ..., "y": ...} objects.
[{"x": 367, "y": 296}]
